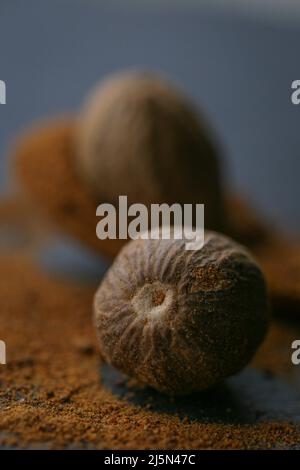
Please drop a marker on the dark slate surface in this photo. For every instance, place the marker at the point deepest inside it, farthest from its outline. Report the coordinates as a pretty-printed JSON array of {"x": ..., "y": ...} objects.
[{"x": 250, "y": 397}]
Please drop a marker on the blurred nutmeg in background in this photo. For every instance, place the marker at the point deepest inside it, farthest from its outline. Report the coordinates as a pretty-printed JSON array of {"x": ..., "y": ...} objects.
[
  {"x": 138, "y": 135},
  {"x": 179, "y": 320}
]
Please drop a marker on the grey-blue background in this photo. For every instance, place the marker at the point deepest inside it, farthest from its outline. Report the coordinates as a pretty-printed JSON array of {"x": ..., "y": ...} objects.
[{"x": 239, "y": 69}]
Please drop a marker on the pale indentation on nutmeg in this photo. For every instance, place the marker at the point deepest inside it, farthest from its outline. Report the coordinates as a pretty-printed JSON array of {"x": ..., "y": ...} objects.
[
  {"x": 153, "y": 300},
  {"x": 158, "y": 297}
]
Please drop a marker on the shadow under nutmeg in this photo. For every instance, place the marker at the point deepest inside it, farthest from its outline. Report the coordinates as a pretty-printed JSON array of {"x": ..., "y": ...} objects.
[{"x": 250, "y": 397}]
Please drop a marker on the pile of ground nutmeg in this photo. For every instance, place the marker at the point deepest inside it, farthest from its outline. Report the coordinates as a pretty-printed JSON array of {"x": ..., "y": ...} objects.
[{"x": 55, "y": 393}]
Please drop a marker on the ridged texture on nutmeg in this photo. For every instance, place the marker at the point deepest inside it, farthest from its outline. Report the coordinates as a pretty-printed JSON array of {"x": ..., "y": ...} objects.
[
  {"x": 137, "y": 135},
  {"x": 181, "y": 320}
]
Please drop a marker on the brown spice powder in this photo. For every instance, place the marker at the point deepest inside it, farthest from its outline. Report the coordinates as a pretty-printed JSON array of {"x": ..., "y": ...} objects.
[
  {"x": 51, "y": 393},
  {"x": 44, "y": 164}
]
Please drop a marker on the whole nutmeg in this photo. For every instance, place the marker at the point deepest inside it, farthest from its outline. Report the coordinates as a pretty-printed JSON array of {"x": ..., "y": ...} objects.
[
  {"x": 137, "y": 135},
  {"x": 179, "y": 320}
]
